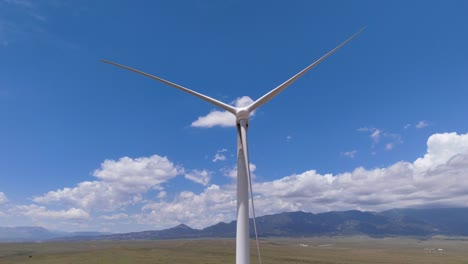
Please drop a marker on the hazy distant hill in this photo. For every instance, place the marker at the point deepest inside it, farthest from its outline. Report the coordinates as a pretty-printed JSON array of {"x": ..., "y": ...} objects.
[
  {"x": 331, "y": 223},
  {"x": 395, "y": 222},
  {"x": 37, "y": 233},
  {"x": 25, "y": 233},
  {"x": 448, "y": 221}
]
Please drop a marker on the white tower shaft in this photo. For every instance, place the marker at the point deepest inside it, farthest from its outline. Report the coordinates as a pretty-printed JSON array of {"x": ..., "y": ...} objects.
[{"x": 243, "y": 171}]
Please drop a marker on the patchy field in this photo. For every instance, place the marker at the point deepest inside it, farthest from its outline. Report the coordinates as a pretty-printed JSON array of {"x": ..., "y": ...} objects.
[{"x": 274, "y": 250}]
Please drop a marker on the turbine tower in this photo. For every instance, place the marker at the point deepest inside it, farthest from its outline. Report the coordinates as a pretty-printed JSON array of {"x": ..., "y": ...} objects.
[{"x": 242, "y": 122}]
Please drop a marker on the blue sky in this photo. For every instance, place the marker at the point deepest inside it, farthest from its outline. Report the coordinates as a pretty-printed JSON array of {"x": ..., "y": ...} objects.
[{"x": 88, "y": 146}]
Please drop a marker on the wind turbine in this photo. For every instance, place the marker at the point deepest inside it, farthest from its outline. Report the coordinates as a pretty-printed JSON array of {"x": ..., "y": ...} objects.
[{"x": 242, "y": 122}]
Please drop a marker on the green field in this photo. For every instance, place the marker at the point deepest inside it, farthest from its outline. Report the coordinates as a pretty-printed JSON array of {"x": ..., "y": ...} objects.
[{"x": 274, "y": 250}]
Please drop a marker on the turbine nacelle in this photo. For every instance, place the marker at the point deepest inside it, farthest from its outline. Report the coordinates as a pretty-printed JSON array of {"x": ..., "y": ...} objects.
[{"x": 242, "y": 113}]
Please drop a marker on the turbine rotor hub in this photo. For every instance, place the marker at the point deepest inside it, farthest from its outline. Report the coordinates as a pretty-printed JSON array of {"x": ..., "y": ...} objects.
[{"x": 242, "y": 113}]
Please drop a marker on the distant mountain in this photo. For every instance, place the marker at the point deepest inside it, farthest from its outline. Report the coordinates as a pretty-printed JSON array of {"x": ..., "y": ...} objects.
[
  {"x": 25, "y": 233},
  {"x": 447, "y": 221},
  {"x": 180, "y": 231},
  {"x": 37, "y": 233},
  {"x": 341, "y": 223},
  {"x": 330, "y": 224},
  {"x": 395, "y": 222}
]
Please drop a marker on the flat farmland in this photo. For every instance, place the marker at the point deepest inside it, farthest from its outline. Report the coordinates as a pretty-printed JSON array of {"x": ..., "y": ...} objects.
[{"x": 274, "y": 250}]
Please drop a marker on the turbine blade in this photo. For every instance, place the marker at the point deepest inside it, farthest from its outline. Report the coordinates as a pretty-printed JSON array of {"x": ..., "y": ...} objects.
[
  {"x": 199, "y": 95},
  {"x": 268, "y": 96}
]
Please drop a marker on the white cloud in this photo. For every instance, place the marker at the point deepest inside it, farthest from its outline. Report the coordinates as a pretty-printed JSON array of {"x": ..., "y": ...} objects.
[
  {"x": 40, "y": 212},
  {"x": 3, "y": 198},
  {"x": 222, "y": 118},
  {"x": 114, "y": 216},
  {"x": 137, "y": 172},
  {"x": 350, "y": 154},
  {"x": 374, "y": 133},
  {"x": 213, "y": 205},
  {"x": 199, "y": 176},
  {"x": 162, "y": 194},
  {"x": 421, "y": 124},
  {"x": 119, "y": 183},
  {"x": 378, "y": 135},
  {"x": 443, "y": 149},
  {"x": 215, "y": 118},
  {"x": 232, "y": 173},
  {"x": 437, "y": 179},
  {"x": 219, "y": 155}
]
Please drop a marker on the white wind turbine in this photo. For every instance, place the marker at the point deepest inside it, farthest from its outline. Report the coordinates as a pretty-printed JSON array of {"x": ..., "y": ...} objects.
[{"x": 242, "y": 121}]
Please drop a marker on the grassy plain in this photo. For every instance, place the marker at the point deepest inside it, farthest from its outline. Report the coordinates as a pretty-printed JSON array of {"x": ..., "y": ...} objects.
[{"x": 327, "y": 250}]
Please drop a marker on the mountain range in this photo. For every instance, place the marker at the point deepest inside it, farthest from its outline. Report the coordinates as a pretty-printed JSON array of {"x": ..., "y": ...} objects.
[
  {"x": 395, "y": 222},
  {"x": 37, "y": 233}
]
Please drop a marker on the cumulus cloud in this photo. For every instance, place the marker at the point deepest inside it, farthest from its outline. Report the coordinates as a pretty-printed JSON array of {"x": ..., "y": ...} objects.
[
  {"x": 119, "y": 183},
  {"x": 421, "y": 124},
  {"x": 40, "y": 212},
  {"x": 213, "y": 205},
  {"x": 3, "y": 198},
  {"x": 199, "y": 176},
  {"x": 437, "y": 179},
  {"x": 219, "y": 155},
  {"x": 222, "y": 118},
  {"x": 442, "y": 149}
]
